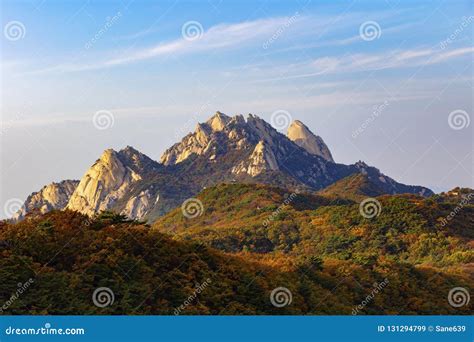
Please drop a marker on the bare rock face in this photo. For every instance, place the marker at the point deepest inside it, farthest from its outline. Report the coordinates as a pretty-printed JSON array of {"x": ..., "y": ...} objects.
[
  {"x": 250, "y": 149},
  {"x": 218, "y": 122},
  {"x": 223, "y": 133},
  {"x": 54, "y": 196},
  {"x": 197, "y": 142},
  {"x": 222, "y": 149},
  {"x": 262, "y": 159},
  {"x": 137, "y": 207},
  {"x": 302, "y": 136},
  {"x": 103, "y": 184},
  {"x": 110, "y": 181}
]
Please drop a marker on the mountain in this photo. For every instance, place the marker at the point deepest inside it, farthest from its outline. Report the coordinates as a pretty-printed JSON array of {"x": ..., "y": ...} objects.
[
  {"x": 263, "y": 219},
  {"x": 268, "y": 212},
  {"x": 108, "y": 179},
  {"x": 128, "y": 182},
  {"x": 302, "y": 136},
  {"x": 239, "y": 150},
  {"x": 50, "y": 197},
  {"x": 110, "y": 265},
  {"x": 198, "y": 142},
  {"x": 222, "y": 149},
  {"x": 356, "y": 187}
]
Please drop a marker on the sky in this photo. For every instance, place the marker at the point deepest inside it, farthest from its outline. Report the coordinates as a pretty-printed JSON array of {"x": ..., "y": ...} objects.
[{"x": 386, "y": 82}]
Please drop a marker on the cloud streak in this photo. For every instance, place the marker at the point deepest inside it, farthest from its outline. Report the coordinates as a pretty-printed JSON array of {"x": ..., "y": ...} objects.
[
  {"x": 362, "y": 62},
  {"x": 234, "y": 36},
  {"x": 218, "y": 37}
]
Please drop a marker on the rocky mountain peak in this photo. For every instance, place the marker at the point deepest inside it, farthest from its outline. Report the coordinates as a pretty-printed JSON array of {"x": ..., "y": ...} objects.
[
  {"x": 137, "y": 161},
  {"x": 224, "y": 149},
  {"x": 263, "y": 129},
  {"x": 105, "y": 181},
  {"x": 108, "y": 157},
  {"x": 218, "y": 121},
  {"x": 262, "y": 159},
  {"x": 301, "y": 135},
  {"x": 130, "y": 151},
  {"x": 202, "y": 133},
  {"x": 222, "y": 132},
  {"x": 237, "y": 120},
  {"x": 54, "y": 196}
]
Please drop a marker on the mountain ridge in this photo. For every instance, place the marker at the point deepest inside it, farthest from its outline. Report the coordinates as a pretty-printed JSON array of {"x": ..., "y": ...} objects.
[
  {"x": 300, "y": 134},
  {"x": 222, "y": 149},
  {"x": 49, "y": 197}
]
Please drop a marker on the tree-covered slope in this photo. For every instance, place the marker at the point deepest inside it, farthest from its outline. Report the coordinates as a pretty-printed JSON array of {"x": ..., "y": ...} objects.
[
  {"x": 356, "y": 187},
  {"x": 65, "y": 257},
  {"x": 262, "y": 219}
]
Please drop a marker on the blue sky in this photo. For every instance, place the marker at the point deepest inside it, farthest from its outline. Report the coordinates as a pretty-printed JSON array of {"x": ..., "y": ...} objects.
[{"x": 377, "y": 81}]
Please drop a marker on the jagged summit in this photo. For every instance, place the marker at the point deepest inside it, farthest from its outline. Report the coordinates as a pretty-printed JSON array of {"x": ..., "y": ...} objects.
[
  {"x": 222, "y": 149},
  {"x": 235, "y": 131},
  {"x": 138, "y": 161},
  {"x": 109, "y": 180},
  {"x": 106, "y": 181},
  {"x": 300, "y": 134},
  {"x": 50, "y": 197},
  {"x": 261, "y": 160},
  {"x": 218, "y": 121},
  {"x": 241, "y": 132}
]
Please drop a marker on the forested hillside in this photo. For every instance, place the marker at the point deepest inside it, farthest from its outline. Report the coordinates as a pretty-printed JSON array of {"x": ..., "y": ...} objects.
[{"x": 232, "y": 257}]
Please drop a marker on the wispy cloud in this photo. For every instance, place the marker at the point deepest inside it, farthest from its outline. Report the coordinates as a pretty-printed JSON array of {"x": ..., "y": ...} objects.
[
  {"x": 387, "y": 60},
  {"x": 453, "y": 54},
  {"x": 367, "y": 62},
  {"x": 350, "y": 24},
  {"x": 227, "y": 36},
  {"x": 138, "y": 34},
  {"x": 234, "y": 36},
  {"x": 218, "y": 37}
]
